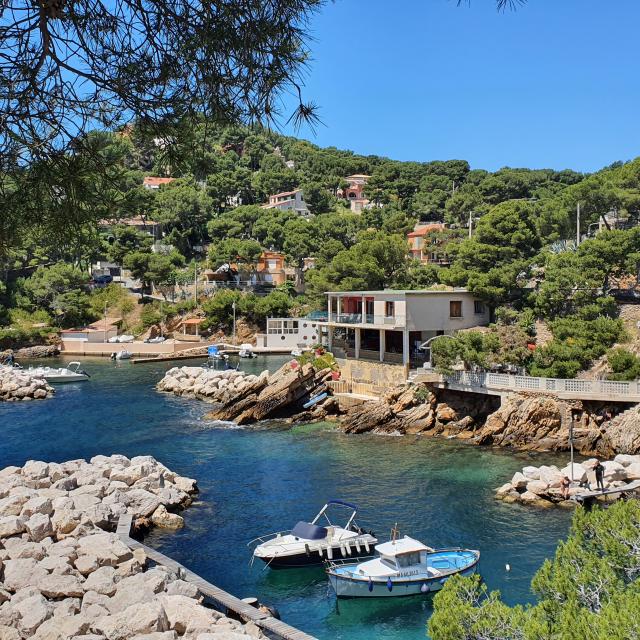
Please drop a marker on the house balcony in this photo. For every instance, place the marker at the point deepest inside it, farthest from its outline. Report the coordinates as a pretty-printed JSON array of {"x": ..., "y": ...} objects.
[{"x": 367, "y": 319}]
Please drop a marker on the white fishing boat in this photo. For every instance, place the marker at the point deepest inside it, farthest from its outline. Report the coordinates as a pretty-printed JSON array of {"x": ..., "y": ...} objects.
[
  {"x": 71, "y": 373},
  {"x": 123, "y": 355},
  {"x": 402, "y": 567},
  {"x": 246, "y": 351},
  {"x": 310, "y": 543}
]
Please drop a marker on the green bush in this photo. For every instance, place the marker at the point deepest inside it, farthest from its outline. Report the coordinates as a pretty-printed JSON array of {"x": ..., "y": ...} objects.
[
  {"x": 624, "y": 365},
  {"x": 576, "y": 343}
]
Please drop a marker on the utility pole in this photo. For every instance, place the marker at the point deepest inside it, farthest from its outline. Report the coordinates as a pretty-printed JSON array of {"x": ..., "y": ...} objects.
[
  {"x": 470, "y": 222},
  {"x": 105, "y": 321},
  {"x": 195, "y": 281},
  {"x": 233, "y": 306},
  {"x": 578, "y": 225}
]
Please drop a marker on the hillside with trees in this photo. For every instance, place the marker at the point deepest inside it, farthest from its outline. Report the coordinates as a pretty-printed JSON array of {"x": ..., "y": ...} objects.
[{"x": 509, "y": 236}]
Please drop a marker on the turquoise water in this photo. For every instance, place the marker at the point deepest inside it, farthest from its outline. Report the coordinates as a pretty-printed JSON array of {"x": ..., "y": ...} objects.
[{"x": 255, "y": 481}]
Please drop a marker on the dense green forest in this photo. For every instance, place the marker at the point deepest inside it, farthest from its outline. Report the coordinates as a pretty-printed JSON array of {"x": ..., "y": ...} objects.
[{"x": 521, "y": 254}]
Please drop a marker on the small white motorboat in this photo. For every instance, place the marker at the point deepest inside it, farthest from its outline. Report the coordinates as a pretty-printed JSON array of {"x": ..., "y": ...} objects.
[
  {"x": 309, "y": 543},
  {"x": 246, "y": 351},
  {"x": 123, "y": 355},
  {"x": 296, "y": 353},
  {"x": 403, "y": 567},
  {"x": 71, "y": 373}
]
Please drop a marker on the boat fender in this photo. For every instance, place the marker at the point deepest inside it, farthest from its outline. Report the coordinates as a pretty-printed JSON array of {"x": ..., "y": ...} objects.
[
  {"x": 320, "y": 551},
  {"x": 343, "y": 551},
  {"x": 424, "y": 588},
  {"x": 347, "y": 546},
  {"x": 330, "y": 553},
  {"x": 357, "y": 546},
  {"x": 389, "y": 584},
  {"x": 366, "y": 545},
  {"x": 370, "y": 585},
  {"x": 307, "y": 550}
]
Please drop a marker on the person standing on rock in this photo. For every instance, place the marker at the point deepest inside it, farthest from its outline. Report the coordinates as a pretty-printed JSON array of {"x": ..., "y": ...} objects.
[
  {"x": 599, "y": 471},
  {"x": 564, "y": 487}
]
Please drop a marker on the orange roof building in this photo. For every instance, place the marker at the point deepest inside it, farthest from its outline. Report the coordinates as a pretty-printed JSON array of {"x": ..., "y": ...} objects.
[
  {"x": 424, "y": 246},
  {"x": 155, "y": 182}
]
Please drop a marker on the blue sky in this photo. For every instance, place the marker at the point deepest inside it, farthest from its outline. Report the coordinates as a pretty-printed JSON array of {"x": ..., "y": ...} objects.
[{"x": 555, "y": 84}]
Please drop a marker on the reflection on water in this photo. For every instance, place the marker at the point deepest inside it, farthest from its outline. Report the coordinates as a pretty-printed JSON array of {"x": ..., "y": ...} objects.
[{"x": 255, "y": 481}]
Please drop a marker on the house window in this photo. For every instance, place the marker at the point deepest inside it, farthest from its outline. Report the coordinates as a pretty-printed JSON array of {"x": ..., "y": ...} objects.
[
  {"x": 478, "y": 307},
  {"x": 273, "y": 264},
  {"x": 389, "y": 309},
  {"x": 455, "y": 309}
]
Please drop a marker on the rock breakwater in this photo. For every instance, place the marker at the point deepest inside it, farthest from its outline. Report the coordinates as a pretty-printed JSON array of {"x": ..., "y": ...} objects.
[
  {"x": 246, "y": 398},
  {"x": 65, "y": 574},
  {"x": 541, "y": 486},
  {"x": 19, "y": 385}
]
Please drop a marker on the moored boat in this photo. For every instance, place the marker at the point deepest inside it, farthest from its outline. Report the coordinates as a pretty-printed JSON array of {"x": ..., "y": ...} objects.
[
  {"x": 123, "y": 355},
  {"x": 310, "y": 543},
  {"x": 402, "y": 567},
  {"x": 71, "y": 373}
]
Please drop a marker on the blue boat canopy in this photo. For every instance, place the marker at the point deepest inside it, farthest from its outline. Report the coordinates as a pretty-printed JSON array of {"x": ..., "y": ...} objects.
[
  {"x": 309, "y": 531},
  {"x": 344, "y": 504}
]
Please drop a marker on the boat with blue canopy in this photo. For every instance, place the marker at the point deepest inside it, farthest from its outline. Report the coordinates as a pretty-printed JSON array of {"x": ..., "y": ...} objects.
[
  {"x": 402, "y": 567},
  {"x": 311, "y": 543}
]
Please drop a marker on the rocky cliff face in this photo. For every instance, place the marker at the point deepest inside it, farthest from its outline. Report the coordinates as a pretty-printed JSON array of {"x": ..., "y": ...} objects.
[
  {"x": 524, "y": 420},
  {"x": 245, "y": 399}
]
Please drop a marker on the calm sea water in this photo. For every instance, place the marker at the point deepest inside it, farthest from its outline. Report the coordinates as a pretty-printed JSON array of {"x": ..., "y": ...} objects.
[{"x": 259, "y": 480}]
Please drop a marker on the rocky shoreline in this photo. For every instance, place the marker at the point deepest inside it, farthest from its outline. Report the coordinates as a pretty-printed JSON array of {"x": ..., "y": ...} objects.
[
  {"x": 19, "y": 385},
  {"x": 540, "y": 486},
  {"x": 526, "y": 420},
  {"x": 65, "y": 574},
  {"x": 245, "y": 399}
]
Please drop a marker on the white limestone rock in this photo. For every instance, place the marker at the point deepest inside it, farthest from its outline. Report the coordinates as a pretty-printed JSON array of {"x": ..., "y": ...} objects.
[
  {"x": 39, "y": 526},
  {"x": 613, "y": 471},
  {"x": 579, "y": 472},
  {"x": 532, "y": 473},
  {"x": 162, "y": 518},
  {"x": 519, "y": 480},
  {"x": 137, "y": 619}
]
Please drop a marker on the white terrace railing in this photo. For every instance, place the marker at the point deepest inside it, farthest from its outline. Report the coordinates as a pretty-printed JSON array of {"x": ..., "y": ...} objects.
[{"x": 508, "y": 382}]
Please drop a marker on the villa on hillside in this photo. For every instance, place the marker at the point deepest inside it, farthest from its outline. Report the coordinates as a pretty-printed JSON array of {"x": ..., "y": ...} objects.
[
  {"x": 289, "y": 201},
  {"x": 354, "y": 192},
  {"x": 425, "y": 246},
  {"x": 389, "y": 326},
  {"x": 155, "y": 182}
]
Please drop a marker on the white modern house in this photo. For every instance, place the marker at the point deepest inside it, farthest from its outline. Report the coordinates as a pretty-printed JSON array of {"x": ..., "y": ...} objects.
[
  {"x": 290, "y": 333},
  {"x": 289, "y": 201},
  {"x": 389, "y": 326}
]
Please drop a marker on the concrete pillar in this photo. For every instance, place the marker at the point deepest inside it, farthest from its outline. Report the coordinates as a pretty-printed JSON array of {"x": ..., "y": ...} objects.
[
  {"x": 383, "y": 345},
  {"x": 338, "y": 306},
  {"x": 357, "y": 330},
  {"x": 364, "y": 309},
  {"x": 405, "y": 347},
  {"x": 330, "y": 337}
]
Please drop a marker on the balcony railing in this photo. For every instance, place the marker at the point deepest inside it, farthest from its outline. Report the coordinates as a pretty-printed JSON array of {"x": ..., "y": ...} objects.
[{"x": 367, "y": 318}]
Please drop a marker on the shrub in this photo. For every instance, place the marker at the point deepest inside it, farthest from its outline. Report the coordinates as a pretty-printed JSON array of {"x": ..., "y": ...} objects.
[{"x": 624, "y": 365}]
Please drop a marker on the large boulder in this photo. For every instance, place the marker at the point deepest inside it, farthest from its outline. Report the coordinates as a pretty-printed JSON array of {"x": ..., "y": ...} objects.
[
  {"x": 165, "y": 520},
  {"x": 579, "y": 472},
  {"x": 613, "y": 471},
  {"x": 519, "y": 480}
]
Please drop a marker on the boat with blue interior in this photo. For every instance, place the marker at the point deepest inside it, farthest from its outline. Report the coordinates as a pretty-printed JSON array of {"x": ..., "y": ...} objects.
[
  {"x": 311, "y": 543},
  {"x": 401, "y": 567}
]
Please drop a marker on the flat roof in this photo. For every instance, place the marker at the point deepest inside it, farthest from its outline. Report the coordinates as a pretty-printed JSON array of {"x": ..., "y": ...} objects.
[
  {"x": 403, "y": 545},
  {"x": 193, "y": 321},
  {"x": 404, "y": 292}
]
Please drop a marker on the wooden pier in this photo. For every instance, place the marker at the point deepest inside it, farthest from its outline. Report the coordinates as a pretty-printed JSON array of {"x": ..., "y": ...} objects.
[
  {"x": 270, "y": 625},
  {"x": 591, "y": 495}
]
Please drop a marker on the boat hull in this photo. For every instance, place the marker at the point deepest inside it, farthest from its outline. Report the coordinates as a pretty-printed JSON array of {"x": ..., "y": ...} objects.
[
  {"x": 348, "y": 586},
  {"x": 312, "y": 559}
]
